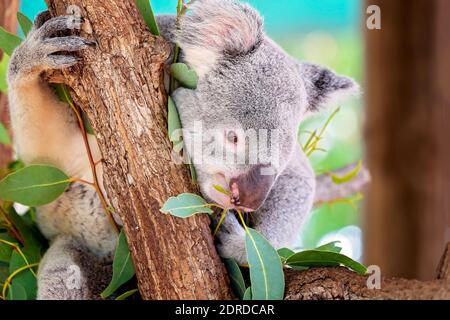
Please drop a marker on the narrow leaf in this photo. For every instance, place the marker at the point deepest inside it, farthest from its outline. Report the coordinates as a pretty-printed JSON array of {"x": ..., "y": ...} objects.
[
  {"x": 186, "y": 77},
  {"x": 221, "y": 190},
  {"x": 145, "y": 8},
  {"x": 236, "y": 278},
  {"x": 25, "y": 278},
  {"x": 35, "y": 185},
  {"x": 123, "y": 268},
  {"x": 248, "y": 294},
  {"x": 315, "y": 258},
  {"x": 25, "y": 23},
  {"x": 16, "y": 292},
  {"x": 127, "y": 294},
  {"x": 4, "y": 136},
  {"x": 285, "y": 253},
  {"x": 186, "y": 205},
  {"x": 3, "y": 72},
  {"x": 332, "y": 246},
  {"x": 174, "y": 123},
  {"x": 266, "y": 270},
  {"x": 8, "y": 41},
  {"x": 349, "y": 176}
]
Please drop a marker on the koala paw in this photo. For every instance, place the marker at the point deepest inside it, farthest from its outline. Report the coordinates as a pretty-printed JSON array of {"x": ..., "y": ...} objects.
[
  {"x": 44, "y": 49},
  {"x": 232, "y": 240}
]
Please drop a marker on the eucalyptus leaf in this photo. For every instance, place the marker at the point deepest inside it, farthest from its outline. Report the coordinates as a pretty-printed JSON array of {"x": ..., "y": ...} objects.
[
  {"x": 186, "y": 205},
  {"x": 266, "y": 270},
  {"x": 248, "y": 294},
  {"x": 25, "y": 23},
  {"x": 127, "y": 294},
  {"x": 145, "y": 8},
  {"x": 4, "y": 136},
  {"x": 236, "y": 278},
  {"x": 174, "y": 123},
  {"x": 3, "y": 73},
  {"x": 16, "y": 292},
  {"x": 347, "y": 177},
  {"x": 25, "y": 278},
  {"x": 123, "y": 268},
  {"x": 186, "y": 77},
  {"x": 8, "y": 41},
  {"x": 332, "y": 246},
  {"x": 316, "y": 258},
  {"x": 285, "y": 253},
  {"x": 34, "y": 185}
]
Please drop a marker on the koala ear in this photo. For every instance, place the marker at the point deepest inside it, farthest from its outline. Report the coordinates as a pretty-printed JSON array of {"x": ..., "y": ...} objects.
[
  {"x": 216, "y": 29},
  {"x": 324, "y": 87}
]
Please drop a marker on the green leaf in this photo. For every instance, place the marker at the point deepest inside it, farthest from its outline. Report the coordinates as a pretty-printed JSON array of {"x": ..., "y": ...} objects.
[
  {"x": 236, "y": 278},
  {"x": 25, "y": 278},
  {"x": 285, "y": 253},
  {"x": 332, "y": 246},
  {"x": 4, "y": 272},
  {"x": 349, "y": 176},
  {"x": 86, "y": 124},
  {"x": 8, "y": 41},
  {"x": 186, "y": 205},
  {"x": 174, "y": 123},
  {"x": 266, "y": 270},
  {"x": 193, "y": 173},
  {"x": 34, "y": 186},
  {"x": 3, "y": 72},
  {"x": 16, "y": 292},
  {"x": 123, "y": 268},
  {"x": 127, "y": 294},
  {"x": 315, "y": 258},
  {"x": 5, "y": 249},
  {"x": 4, "y": 136},
  {"x": 145, "y": 8},
  {"x": 25, "y": 23},
  {"x": 247, "y": 294},
  {"x": 186, "y": 77},
  {"x": 221, "y": 190}
]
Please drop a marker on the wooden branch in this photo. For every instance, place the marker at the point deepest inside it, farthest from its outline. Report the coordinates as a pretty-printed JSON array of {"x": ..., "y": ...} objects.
[
  {"x": 120, "y": 87},
  {"x": 328, "y": 191},
  {"x": 340, "y": 283}
]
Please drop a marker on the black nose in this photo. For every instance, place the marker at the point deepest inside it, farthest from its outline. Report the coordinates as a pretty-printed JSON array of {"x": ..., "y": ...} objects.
[{"x": 250, "y": 189}]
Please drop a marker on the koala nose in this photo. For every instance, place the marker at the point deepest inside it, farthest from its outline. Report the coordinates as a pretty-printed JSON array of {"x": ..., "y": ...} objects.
[{"x": 250, "y": 189}]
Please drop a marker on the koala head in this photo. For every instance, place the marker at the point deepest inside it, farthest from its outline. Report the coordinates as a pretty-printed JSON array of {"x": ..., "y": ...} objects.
[{"x": 240, "y": 125}]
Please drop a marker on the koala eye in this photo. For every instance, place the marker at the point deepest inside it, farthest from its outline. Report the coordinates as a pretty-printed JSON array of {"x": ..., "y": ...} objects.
[{"x": 232, "y": 137}]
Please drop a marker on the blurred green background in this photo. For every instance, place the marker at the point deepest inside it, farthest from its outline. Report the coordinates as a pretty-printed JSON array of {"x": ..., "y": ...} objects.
[{"x": 325, "y": 32}]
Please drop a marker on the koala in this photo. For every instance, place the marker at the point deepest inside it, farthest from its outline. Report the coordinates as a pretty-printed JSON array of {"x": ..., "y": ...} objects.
[
  {"x": 246, "y": 84},
  {"x": 77, "y": 264}
]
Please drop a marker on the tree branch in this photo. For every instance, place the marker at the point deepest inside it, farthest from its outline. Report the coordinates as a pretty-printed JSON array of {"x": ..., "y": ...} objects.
[{"x": 328, "y": 191}]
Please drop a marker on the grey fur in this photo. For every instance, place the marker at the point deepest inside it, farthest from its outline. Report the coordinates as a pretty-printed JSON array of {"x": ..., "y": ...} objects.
[{"x": 249, "y": 82}]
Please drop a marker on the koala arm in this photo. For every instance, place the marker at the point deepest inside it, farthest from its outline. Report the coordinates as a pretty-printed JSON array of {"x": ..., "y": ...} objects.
[
  {"x": 281, "y": 217},
  {"x": 45, "y": 129}
]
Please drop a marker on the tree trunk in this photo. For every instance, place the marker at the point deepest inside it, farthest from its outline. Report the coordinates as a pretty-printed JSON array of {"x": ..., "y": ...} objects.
[
  {"x": 408, "y": 129},
  {"x": 120, "y": 87},
  {"x": 8, "y": 20}
]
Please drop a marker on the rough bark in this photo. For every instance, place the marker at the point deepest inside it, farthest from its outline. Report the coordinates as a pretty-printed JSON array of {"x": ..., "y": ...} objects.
[
  {"x": 8, "y": 10},
  {"x": 408, "y": 220},
  {"x": 120, "y": 87}
]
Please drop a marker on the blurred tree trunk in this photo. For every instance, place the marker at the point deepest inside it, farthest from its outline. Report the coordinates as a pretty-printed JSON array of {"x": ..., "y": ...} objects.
[
  {"x": 8, "y": 20},
  {"x": 120, "y": 87},
  {"x": 408, "y": 98}
]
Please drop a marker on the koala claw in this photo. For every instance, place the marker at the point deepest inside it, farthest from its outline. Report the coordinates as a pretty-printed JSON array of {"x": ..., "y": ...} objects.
[{"x": 232, "y": 240}]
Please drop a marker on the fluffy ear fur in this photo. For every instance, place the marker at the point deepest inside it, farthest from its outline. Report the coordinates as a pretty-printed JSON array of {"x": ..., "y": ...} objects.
[
  {"x": 324, "y": 87},
  {"x": 215, "y": 29}
]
